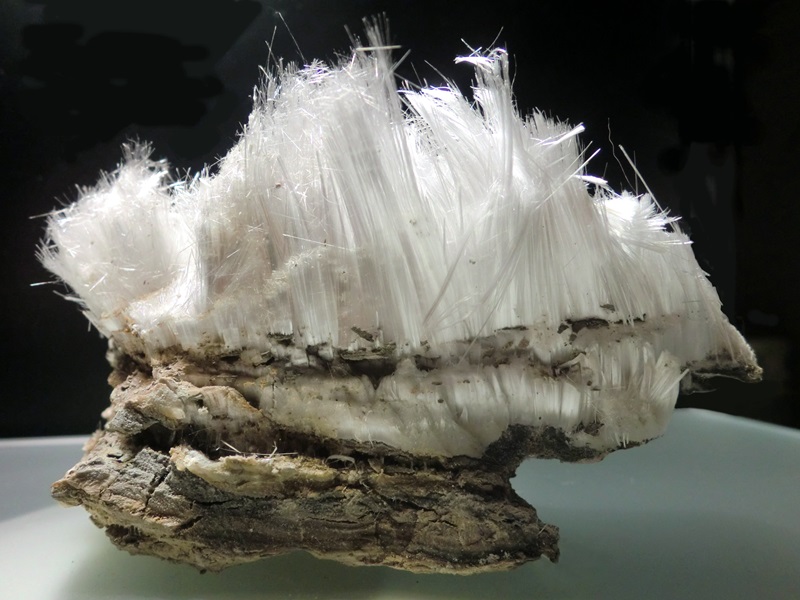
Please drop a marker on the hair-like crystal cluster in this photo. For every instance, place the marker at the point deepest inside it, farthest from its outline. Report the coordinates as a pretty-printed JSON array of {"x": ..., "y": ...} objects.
[{"x": 414, "y": 225}]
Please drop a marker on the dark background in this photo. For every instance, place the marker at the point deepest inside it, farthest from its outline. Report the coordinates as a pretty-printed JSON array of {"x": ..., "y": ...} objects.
[{"x": 704, "y": 94}]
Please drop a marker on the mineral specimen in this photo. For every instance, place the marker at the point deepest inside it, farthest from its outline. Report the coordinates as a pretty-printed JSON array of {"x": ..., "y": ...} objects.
[{"x": 347, "y": 337}]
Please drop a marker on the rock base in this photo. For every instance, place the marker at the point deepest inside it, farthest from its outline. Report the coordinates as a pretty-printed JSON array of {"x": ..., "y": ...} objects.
[{"x": 183, "y": 505}]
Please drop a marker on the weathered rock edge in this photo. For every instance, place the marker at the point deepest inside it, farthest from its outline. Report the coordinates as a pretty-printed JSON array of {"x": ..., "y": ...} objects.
[
  {"x": 239, "y": 509},
  {"x": 210, "y": 482}
]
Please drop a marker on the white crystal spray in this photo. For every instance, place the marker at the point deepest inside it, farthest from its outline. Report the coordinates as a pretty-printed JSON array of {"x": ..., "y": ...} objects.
[{"x": 386, "y": 275}]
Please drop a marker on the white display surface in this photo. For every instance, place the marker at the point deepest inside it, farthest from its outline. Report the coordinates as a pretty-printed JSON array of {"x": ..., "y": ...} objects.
[{"x": 711, "y": 510}]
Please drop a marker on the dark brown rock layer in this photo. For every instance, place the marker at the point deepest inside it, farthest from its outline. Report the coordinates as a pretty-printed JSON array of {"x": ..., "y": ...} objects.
[{"x": 214, "y": 513}]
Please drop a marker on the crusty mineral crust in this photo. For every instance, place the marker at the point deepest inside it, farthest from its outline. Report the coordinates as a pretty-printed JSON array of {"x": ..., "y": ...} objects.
[{"x": 211, "y": 484}]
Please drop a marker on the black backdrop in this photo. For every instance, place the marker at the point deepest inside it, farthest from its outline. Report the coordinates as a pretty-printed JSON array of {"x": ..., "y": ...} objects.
[{"x": 704, "y": 93}]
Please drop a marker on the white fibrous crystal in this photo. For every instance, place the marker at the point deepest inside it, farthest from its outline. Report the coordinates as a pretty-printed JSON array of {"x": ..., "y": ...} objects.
[
  {"x": 354, "y": 217},
  {"x": 407, "y": 270}
]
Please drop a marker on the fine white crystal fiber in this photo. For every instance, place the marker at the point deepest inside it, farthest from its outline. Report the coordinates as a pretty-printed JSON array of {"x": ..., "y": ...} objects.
[{"x": 413, "y": 224}]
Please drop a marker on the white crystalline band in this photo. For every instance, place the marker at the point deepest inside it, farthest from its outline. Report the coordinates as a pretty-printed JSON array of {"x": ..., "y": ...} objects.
[
  {"x": 603, "y": 399},
  {"x": 346, "y": 206}
]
